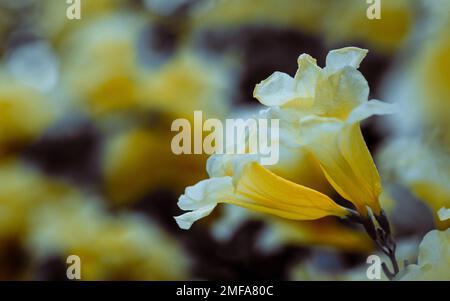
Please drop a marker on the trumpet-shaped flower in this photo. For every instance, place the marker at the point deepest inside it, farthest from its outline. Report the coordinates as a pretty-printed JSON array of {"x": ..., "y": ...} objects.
[
  {"x": 243, "y": 182},
  {"x": 320, "y": 110},
  {"x": 329, "y": 104}
]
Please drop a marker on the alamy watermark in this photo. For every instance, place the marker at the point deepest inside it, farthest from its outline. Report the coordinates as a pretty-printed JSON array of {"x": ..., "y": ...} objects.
[
  {"x": 373, "y": 12},
  {"x": 73, "y": 271},
  {"x": 73, "y": 11},
  {"x": 236, "y": 136},
  {"x": 374, "y": 270}
]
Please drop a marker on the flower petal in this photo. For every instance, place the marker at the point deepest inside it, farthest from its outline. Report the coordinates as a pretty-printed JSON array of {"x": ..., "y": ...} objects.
[
  {"x": 356, "y": 153},
  {"x": 220, "y": 165},
  {"x": 258, "y": 189},
  {"x": 434, "y": 259},
  {"x": 202, "y": 198},
  {"x": 307, "y": 75},
  {"x": 267, "y": 192},
  {"x": 339, "y": 93},
  {"x": 205, "y": 192},
  {"x": 349, "y": 56},
  {"x": 344, "y": 158},
  {"x": 276, "y": 90},
  {"x": 370, "y": 108},
  {"x": 444, "y": 214},
  {"x": 186, "y": 220}
]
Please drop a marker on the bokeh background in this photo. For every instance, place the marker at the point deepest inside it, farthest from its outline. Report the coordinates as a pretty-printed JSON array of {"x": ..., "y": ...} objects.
[{"x": 85, "y": 113}]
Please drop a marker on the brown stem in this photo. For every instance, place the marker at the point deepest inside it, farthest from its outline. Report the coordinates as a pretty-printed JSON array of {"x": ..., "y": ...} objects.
[{"x": 383, "y": 239}]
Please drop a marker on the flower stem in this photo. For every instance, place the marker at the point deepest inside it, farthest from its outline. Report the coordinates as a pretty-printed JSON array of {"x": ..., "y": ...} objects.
[
  {"x": 381, "y": 235},
  {"x": 391, "y": 255}
]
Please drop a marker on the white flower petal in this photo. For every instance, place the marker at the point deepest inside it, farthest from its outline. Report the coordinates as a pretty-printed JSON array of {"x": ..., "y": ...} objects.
[
  {"x": 219, "y": 165},
  {"x": 434, "y": 259},
  {"x": 202, "y": 198},
  {"x": 204, "y": 193},
  {"x": 227, "y": 164},
  {"x": 306, "y": 77},
  {"x": 339, "y": 93},
  {"x": 370, "y": 108},
  {"x": 349, "y": 56},
  {"x": 444, "y": 214},
  {"x": 186, "y": 220},
  {"x": 276, "y": 90}
]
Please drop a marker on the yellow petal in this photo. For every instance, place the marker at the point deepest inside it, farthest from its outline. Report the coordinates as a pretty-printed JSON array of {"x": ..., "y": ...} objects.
[
  {"x": 345, "y": 160},
  {"x": 435, "y": 196},
  {"x": 261, "y": 190},
  {"x": 355, "y": 151},
  {"x": 24, "y": 113},
  {"x": 258, "y": 189}
]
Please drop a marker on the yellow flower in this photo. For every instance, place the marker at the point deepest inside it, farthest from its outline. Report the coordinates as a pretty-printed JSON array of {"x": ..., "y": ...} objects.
[
  {"x": 127, "y": 85},
  {"x": 421, "y": 82},
  {"x": 304, "y": 15},
  {"x": 128, "y": 173},
  {"x": 123, "y": 247},
  {"x": 296, "y": 165},
  {"x": 434, "y": 259},
  {"x": 53, "y": 24},
  {"x": 431, "y": 77},
  {"x": 22, "y": 191},
  {"x": 326, "y": 107},
  {"x": 110, "y": 84},
  {"x": 243, "y": 182},
  {"x": 418, "y": 156},
  {"x": 404, "y": 160},
  {"x": 47, "y": 217},
  {"x": 347, "y": 22},
  {"x": 186, "y": 83},
  {"x": 24, "y": 113}
]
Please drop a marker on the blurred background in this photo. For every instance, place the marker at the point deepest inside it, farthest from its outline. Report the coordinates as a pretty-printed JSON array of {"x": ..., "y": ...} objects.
[{"x": 85, "y": 112}]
